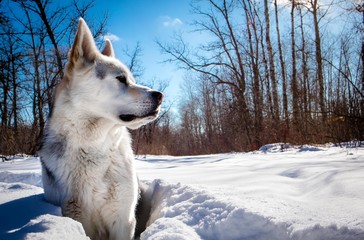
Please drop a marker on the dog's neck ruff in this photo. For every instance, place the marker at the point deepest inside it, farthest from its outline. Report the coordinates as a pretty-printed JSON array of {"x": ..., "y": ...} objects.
[{"x": 85, "y": 128}]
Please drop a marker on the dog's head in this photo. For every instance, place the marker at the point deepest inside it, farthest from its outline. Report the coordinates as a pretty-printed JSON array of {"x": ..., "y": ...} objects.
[{"x": 98, "y": 84}]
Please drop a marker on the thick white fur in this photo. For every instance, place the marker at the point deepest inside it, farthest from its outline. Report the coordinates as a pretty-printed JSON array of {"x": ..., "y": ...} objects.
[{"x": 86, "y": 151}]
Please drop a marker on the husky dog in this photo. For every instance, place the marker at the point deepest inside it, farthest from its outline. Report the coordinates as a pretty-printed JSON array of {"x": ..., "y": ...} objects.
[{"x": 86, "y": 154}]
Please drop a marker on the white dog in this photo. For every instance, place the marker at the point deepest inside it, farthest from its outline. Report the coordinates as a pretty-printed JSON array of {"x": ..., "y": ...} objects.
[{"x": 86, "y": 154}]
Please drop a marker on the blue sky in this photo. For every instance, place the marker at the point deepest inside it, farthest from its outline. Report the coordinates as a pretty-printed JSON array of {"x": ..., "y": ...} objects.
[
  {"x": 146, "y": 21},
  {"x": 143, "y": 21}
]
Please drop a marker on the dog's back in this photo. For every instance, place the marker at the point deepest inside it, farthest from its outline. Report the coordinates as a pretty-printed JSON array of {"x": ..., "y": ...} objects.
[{"x": 86, "y": 155}]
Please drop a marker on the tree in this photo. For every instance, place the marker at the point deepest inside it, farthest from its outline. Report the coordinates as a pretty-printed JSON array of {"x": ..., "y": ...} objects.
[
  {"x": 222, "y": 63},
  {"x": 294, "y": 84},
  {"x": 314, "y": 9},
  {"x": 135, "y": 65},
  {"x": 272, "y": 72},
  {"x": 34, "y": 47},
  {"x": 283, "y": 71},
  {"x": 237, "y": 69},
  {"x": 11, "y": 60}
]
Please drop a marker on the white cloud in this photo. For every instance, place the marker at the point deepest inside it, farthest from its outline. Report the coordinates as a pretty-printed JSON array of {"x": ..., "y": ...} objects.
[
  {"x": 111, "y": 37},
  {"x": 171, "y": 22}
]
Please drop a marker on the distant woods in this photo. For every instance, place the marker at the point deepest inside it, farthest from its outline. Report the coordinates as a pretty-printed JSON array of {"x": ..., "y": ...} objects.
[
  {"x": 268, "y": 71},
  {"x": 35, "y": 37},
  {"x": 263, "y": 72}
]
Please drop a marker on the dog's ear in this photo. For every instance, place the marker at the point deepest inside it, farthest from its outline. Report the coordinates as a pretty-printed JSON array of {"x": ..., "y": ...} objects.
[
  {"x": 84, "y": 48},
  {"x": 108, "y": 49}
]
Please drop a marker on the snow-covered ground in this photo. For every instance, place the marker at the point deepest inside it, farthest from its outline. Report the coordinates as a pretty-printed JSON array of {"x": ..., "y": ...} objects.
[{"x": 307, "y": 192}]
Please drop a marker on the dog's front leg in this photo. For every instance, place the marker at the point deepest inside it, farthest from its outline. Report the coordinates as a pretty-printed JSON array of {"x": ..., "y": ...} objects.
[{"x": 123, "y": 228}]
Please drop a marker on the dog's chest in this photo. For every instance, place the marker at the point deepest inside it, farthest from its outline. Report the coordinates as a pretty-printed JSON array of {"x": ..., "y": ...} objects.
[
  {"x": 102, "y": 174},
  {"x": 101, "y": 163}
]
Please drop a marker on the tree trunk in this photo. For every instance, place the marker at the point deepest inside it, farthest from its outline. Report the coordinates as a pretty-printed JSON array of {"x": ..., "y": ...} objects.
[
  {"x": 318, "y": 55},
  {"x": 272, "y": 73},
  {"x": 51, "y": 34},
  {"x": 5, "y": 91},
  {"x": 254, "y": 55},
  {"x": 14, "y": 86},
  {"x": 283, "y": 72},
  {"x": 294, "y": 87},
  {"x": 304, "y": 83}
]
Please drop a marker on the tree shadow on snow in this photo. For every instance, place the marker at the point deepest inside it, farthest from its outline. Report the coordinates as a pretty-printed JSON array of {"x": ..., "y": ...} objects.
[{"x": 14, "y": 215}]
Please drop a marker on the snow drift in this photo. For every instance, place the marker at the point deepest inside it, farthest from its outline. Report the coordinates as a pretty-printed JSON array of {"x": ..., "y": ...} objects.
[{"x": 279, "y": 192}]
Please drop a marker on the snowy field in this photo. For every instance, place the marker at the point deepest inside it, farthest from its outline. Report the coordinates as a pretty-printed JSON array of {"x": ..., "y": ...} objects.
[{"x": 306, "y": 193}]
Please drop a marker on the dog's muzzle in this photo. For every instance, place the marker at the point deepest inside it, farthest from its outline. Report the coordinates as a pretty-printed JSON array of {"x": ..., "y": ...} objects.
[{"x": 154, "y": 110}]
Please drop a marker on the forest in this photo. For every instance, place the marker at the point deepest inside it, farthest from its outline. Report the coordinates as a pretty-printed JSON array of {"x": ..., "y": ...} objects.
[{"x": 270, "y": 71}]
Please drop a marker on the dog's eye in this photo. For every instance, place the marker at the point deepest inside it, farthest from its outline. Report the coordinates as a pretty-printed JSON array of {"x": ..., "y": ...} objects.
[{"x": 122, "y": 79}]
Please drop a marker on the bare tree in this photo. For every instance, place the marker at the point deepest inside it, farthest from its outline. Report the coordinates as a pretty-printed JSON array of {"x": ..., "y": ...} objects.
[
  {"x": 223, "y": 63},
  {"x": 294, "y": 84},
  {"x": 38, "y": 42},
  {"x": 11, "y": 60},
  {"x": 135, "y": 65},
  {"x": 283, "y": 71},
  {"x": 272, "y": 72},
  {"x": 314, "y": 9}
]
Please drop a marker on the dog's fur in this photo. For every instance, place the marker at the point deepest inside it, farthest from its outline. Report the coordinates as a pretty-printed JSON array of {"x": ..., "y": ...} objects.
[{"x": 86, "y": 154}]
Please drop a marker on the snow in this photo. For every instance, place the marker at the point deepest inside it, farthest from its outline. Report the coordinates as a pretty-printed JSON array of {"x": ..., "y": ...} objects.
[
  {"x": 24, "y": 214},
  {"x": 279, "y": 192}
]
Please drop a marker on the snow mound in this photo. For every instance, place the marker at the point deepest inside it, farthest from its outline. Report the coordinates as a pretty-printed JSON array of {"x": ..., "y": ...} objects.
[
  {"x": 20, "y": 205},
  {"x": 57, "y": 228},
  {"x": 332, "y": 232},
  {"x": 182, "y": 212},
  {"x": 309, "y": 148},
  {"x": 24, "y": 214},
  {"x": 30, "y": 178},
  {"x": 169, "y": 228},
  {"x": 48, "y": 226},
  {"x": 209, "y": 217},
  {"x": 275, "y": 147},
  {"x": 283, "y": 147}
]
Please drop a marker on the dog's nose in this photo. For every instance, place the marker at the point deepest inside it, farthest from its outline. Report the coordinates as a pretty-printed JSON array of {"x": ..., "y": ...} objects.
[{"x": 157, "y": 96}]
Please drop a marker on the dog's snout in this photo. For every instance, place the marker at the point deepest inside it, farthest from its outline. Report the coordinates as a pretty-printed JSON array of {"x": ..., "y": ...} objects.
[{"x": 158, "y": 96}]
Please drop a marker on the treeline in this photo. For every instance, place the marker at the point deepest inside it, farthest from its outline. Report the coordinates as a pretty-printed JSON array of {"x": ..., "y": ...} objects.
[
  {"x": 266, "y": 71},
  {"x": 35, "y": 37},
  {"x": 263, "y": 72}
]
